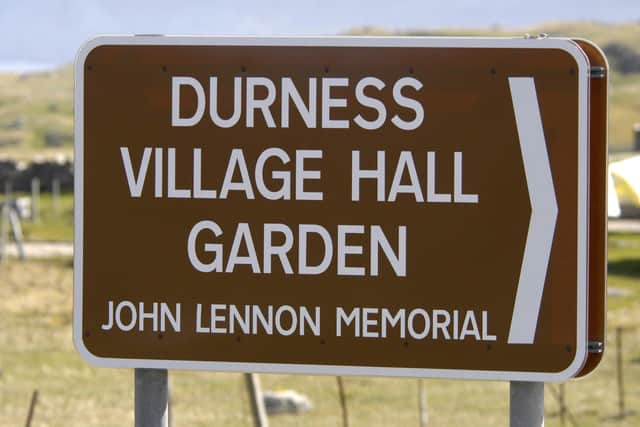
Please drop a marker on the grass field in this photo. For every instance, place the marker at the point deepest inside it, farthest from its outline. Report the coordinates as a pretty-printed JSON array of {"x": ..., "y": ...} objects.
[
  {"x": 36, "y": 352},
  {"x": 36, "y": 349},
  {"x": 56, "y": 219},
  {"x": 36, "y": 114}
]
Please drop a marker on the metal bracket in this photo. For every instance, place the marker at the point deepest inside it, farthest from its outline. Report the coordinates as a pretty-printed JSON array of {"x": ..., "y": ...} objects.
[
  {"x": 597, "y": 72},
  {"x": 540, "y": 36},
  {"x": 596, "y": 347}
]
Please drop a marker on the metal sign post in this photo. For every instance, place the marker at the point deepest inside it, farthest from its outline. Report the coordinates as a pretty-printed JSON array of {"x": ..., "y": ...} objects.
[
  {"x": 151, "y": 398},
  {"x": 258, "y": 411},
  {"x": 526, "y": 404}
]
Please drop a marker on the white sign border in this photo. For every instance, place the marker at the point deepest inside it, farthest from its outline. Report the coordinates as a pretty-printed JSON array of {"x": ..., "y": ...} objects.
[{"x": 566, "y": 45}]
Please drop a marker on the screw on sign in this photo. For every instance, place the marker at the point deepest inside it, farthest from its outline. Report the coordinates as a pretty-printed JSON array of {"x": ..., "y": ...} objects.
[{"x": 368, "y": 206}]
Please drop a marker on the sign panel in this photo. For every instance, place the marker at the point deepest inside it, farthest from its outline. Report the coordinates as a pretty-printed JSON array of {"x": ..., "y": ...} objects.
[{"x": 367, "y": 206}]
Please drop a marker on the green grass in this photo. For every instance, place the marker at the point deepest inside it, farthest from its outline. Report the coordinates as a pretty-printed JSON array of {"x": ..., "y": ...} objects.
[
  {"x": 36, "y": 352},
  {"x": 33, "y": 106},
  {"x": 624, "y": 274},
  {"x": 56, "y": 219},
  {"x": 624, "y": 108}
]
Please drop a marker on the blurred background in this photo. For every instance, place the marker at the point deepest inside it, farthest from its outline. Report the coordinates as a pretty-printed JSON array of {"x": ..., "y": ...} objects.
[{"x": 43, "y": 382}]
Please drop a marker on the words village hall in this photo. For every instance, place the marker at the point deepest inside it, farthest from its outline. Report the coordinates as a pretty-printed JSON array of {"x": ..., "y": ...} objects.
[{"x": 297, "y": 171}]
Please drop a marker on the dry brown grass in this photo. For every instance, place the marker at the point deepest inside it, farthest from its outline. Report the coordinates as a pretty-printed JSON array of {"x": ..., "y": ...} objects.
[{"x": 36, "y": 352}]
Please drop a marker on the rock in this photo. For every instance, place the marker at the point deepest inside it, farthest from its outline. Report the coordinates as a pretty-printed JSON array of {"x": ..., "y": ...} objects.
[
  {"x": 285, "y": 402},
  {"x": 57, "y": 139},
  {"x": 617, "y": 292},
  {"x": 23, "y": 206},
  {"x": 15, "y": 124}
]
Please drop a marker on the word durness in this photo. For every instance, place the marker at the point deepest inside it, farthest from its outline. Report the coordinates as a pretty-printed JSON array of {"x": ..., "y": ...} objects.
[
  {"x": 283, "y": 174},
  {"x": 262, "y": 96}
]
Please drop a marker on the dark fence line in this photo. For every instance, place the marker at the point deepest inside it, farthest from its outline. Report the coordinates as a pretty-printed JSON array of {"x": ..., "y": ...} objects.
[{"x": 18, "y": 175}]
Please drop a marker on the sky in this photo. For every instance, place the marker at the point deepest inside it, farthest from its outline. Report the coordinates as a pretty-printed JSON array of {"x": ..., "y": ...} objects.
[{"x": 51, "y": 31}]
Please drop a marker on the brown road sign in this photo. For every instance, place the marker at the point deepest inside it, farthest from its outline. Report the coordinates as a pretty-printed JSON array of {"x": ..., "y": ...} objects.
[{"x": 368, "y": 206}]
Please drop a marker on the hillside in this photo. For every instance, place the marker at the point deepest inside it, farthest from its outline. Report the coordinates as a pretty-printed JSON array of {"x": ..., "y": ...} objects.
[
  {"x": 36, "y": 110},
  {"x": 36, "y": 114}
]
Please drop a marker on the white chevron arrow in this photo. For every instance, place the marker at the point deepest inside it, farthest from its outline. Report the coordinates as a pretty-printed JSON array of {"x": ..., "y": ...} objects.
[{"x": 544, "y": 211}]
